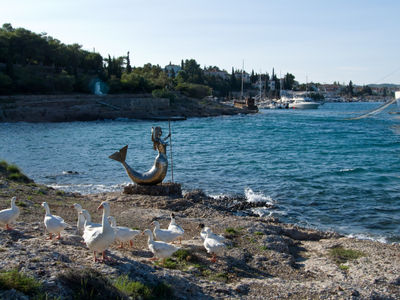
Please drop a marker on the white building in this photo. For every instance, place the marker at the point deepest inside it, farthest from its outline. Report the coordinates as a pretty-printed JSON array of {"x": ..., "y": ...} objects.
[
  {"x": 246, "y": 76},
  {"x": 172, "y": 70},
  {"x": 217, "y": 73}
]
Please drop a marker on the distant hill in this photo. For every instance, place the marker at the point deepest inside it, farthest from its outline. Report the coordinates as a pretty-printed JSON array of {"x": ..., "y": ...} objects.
[{"x": 383, "y": 85}]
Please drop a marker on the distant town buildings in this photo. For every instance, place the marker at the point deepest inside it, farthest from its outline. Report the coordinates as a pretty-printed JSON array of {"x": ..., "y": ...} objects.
[
  {"x": 335, "y": 90},
  {"x": 217, "y": 73},
  {"x": 246, "y": 76}
]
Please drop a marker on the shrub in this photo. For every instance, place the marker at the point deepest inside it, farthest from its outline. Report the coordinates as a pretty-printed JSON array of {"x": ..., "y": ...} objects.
[
  {"x": 115, "y": 85},
  {"x": 163, "y": 93},
  {"x": 90, "y": 284},
  {"x": 194, "y": 90},
  {"x": 63, "y": 82},
  {"x": 13, "y": 169},
  {"x": 19, "y": 281},
  {"x": 168, "y": 263},
  {"x": 138, "y": 290},
  {"x": 132, "y": 82},
  {"x": 5, "y": 84},
  {"x": 231, "y": 231},
  {"x": 60, "y": 193},
  {"x": 21, "y": 204},
  {"x": 223, "y": 277},
  {"x": 182, "y": 255},
  {"x": 344, "y": 267},
  {"x": 341, "y": 255},
  {"x": 13, "y": 173},
  {"x": 162, "y": 291},
  {"x": 18, "y": 177},
  {"x": 3, "y": 166},
  {"x": 131, "y": 288}
]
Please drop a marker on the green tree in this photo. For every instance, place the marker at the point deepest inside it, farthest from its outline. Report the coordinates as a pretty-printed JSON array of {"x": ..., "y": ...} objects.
[
  {"x": 128, "y": 64},
  {"x": 350, "y": 89},
  {"x": 253, "y": 77},
  {"x": 366, "y": 90},
  {"x": 288, "y": 81},
  {"x": 234, "y": 84},
  {"x": 193, "y": 71}
]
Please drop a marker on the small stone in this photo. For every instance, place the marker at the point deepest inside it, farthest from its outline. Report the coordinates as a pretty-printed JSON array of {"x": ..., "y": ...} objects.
[
  {"x": 242, "y": 288},
  {"x": 396, "y": 281}
]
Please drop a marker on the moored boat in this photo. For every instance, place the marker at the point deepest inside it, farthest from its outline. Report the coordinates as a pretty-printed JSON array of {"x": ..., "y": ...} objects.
[
  {"x": 248, "y": 104},
  {"x": 303, "y": 103},
  {"x": 397, "y": 96}
]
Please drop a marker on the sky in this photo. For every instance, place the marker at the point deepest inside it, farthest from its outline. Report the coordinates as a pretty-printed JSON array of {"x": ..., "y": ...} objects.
[{"x": 315, "y": 40}]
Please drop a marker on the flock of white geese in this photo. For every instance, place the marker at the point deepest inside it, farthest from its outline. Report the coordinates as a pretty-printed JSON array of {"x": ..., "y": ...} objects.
[{"x": 99, "y": 237}]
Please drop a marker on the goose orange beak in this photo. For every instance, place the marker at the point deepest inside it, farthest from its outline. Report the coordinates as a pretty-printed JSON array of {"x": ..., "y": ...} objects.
[{"x": 100, "y": 207}]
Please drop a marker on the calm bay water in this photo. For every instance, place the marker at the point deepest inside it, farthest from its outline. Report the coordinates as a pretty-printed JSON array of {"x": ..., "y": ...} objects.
[{"x": 320, "y": 170}]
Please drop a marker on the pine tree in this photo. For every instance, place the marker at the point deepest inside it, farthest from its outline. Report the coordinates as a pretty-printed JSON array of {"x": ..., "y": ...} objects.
[
  {"x": 233, "y": 80},
  {"x": 350, "y": 88},
  {"x": 109, "y": 67},
  {"x": 128, "y": 64}
]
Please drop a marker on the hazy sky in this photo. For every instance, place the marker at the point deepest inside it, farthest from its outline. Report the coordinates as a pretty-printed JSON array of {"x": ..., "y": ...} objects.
[{"x": 324, "y": 40}]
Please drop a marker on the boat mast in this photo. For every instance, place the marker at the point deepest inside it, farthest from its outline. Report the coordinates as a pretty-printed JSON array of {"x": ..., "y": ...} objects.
[
  {"x": 280, "y": 86},
  {"x": 306, "y": 84},
  {"x": 259, "y": 78},
  {"x": 241, "y": 90}
]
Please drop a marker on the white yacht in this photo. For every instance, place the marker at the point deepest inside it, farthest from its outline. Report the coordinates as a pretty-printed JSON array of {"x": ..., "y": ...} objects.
[{"x": 303, "y": 103}]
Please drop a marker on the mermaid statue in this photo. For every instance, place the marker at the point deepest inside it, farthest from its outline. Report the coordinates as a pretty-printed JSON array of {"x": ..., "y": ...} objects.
[{"x": 157, "y": 173}]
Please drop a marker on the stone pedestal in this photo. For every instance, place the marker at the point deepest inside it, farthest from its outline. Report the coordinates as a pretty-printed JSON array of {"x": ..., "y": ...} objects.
[{"x": 163, "y": 189}]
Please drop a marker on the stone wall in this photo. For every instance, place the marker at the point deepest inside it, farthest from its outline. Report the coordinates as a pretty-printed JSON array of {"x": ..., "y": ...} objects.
[
  {"x": 55, "y": 108},
  {"x": 149, "y": 103}
]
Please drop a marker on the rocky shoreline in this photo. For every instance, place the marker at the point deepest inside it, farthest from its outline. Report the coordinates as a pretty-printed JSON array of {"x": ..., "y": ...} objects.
[
  {"x": 265, "y": 259},
  {"x": 83, "y": 107}
]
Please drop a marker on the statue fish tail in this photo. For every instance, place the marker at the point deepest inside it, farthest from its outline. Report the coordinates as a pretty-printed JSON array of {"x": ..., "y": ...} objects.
[
  {"x": 154, "y": 176},
  {"x": 120, "y": 155}
]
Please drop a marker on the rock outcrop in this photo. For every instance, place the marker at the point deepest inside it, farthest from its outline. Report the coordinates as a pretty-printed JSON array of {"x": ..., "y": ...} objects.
[{"x": 265, "y": 259}]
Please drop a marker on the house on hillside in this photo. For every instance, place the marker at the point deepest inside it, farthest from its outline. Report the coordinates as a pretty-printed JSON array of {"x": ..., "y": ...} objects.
[
  {"x": 246, "y": 76},
  {"x": 216, "y": 73},
  {"x": 172, "y": 70}
]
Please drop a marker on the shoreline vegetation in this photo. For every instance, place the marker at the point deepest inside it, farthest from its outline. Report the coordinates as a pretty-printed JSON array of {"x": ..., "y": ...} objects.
[
  {"x": 37, "y": 64},
  {"x": 264, "y": 259}
]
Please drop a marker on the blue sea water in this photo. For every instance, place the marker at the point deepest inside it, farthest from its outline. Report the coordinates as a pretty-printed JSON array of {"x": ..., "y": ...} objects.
[{"x": 319, "y": 170}]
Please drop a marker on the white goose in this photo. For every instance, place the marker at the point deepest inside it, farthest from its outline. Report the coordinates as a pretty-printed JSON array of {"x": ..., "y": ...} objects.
[
  {"x": 159, "y": 249},
  {"x": 81, "y": 218},
  {"x": 9, "y": 215},
  {"x": 164, "y": 235},
  {"x": 53, "y": 224},
  {"x": 213, "y": 246},
  {"x": 123, "y": 234},
  {"x": 88, "y": 224},
  {"x": 99, "y": 238},
  {"x": 176, "y": 228},
  {"x": 207, "y": 230}
]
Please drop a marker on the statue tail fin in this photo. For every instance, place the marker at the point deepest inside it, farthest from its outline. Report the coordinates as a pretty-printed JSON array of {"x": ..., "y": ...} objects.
[{"x": 120, "y": 155}]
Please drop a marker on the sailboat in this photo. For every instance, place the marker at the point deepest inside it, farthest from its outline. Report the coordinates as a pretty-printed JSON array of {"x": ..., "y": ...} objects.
[{"x": 248, "y": 103}]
